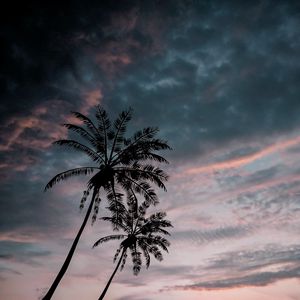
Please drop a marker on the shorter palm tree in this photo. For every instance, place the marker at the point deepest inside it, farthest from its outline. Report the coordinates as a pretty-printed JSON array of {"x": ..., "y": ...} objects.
[{"x": 141, "y": 236}]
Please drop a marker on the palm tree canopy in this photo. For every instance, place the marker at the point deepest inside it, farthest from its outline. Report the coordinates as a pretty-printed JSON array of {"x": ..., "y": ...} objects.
[
  {"x": 141, "y": 235},
  {"x": 119, "y": 163}
]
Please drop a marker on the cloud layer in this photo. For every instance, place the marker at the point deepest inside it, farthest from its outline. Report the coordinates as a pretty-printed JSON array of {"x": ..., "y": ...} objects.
[{"x": 220, "y": 80}]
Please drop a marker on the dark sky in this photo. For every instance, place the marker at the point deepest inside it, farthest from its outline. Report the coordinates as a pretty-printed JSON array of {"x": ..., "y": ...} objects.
[{"x": 219, "y": 78}]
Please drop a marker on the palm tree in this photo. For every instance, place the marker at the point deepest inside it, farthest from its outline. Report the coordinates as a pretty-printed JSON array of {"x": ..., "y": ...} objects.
[
  {"x": 120, "y": 163},
  {"x": 141, "y": 236}
]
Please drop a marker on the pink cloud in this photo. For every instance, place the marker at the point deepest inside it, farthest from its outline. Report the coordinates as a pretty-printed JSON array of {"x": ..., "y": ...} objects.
[
  {"x": 90, "y": 99},
  {"x": 115, "y": 54},
  {"x": 38, "y": 119},
  {"x": 242, "y": 161},
  {"x": 38, "y": 129}
]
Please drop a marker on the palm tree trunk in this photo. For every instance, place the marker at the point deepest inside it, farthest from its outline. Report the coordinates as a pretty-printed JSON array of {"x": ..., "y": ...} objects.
[
  {"x": 70, "y": 254},
  {"x": 112, "y": 276}
]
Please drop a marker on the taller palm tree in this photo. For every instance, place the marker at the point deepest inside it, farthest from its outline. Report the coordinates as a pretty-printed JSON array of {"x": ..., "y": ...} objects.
[{"x": 120, "y": 164}]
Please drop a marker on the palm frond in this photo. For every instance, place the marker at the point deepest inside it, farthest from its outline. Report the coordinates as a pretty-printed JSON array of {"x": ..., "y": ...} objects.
[
  {"x": 117, "y": 254},
  {"x": 132, "y": 203},
  {"x": 109, "y": 238},
  {"x": 96, "y": 208},
  {"x": 162, "y": 223},
  {"x": 88, "y": 122},
  {"x": 84, "y": 197},
  {"x": 145, "y": 172},
  {"x": 158, "y": 216},
  {"x": 103, "y": 125},
  {"x": 142, "y": 155},
  {"x": 123, "y": 260},
  {"x": 156, "y": 252},
  {"x": 116, "y": 207},
  {"x": 161, "y": 242},
  {"x": 141, "y": 187},
  {"x": 136, "y": 260},
  {"x": 160, "y": 230},
  {"x": 95, "y": 141},
  {"x": 141, "y": 135},
  {"x": 120, "y": 128},
  {"x": 154, "y": 224},
  {"x": 70, "y": 173},
  {"x": 144, "y": 134},
  {"x": 116, "y": 222},
  {"x": 144, "y": 248},
  {"x": 141, "y": 149},
  {"x": 154, "y": 144},
  {"x": 80, "y": 147},
  {"x": 143, "y": 207}
]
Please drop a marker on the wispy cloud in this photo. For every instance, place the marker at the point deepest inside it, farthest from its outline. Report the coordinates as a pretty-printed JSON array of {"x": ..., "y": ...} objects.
[
  {"x": 27, "y": 253},
  {"x": 201, "y": 237},
  {"x": 251, "y": 268},
  {"x": 35, "y": 132},
  {"x": 247, "y": 159}
]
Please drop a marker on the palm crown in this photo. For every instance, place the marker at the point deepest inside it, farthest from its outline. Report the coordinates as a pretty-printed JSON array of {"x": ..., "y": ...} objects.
[
  {"x": 121, "y": 162},
  {"x": 141, "y": 235}
]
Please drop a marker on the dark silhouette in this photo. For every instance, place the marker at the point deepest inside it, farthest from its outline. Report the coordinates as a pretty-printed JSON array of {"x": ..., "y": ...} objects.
[
  {"x": 141, "y": 233},
  {"x": 122, "y": 163}
]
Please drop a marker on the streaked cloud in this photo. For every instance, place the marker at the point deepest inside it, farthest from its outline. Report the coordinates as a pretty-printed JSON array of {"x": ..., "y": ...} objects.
[{"x": 252, "y": 268}]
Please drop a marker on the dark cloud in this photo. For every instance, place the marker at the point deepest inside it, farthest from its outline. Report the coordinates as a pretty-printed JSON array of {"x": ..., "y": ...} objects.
[
  {"x": 247, "y": 267},
  {"x": 263, "y": 175},
  {"x": 260, "y": 279},
  {"x": 27, "y": 253},
  {"x": 218, "y": 82},
  {"x": 43, "y": 49},
  {"x": 29, "y": 213},
  {"x": 7, "y": 271},
  {"x": 278, "y": 203},
  {"x": 247, "y": 260},
  {"x": 133, "y": 297},
  {"x": 200, "y": 237},
  {"x": 229, "y": 83},
  {"x": 209, "y": 74},
  {"x": 227, "y": 180}
]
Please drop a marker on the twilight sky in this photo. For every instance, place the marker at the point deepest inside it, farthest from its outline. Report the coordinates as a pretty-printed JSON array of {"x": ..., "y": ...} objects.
[{"x": 221, "y": 81}]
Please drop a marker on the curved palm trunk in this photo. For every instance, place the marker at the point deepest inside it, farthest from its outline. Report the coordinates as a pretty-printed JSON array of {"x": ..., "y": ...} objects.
[
  {"x": 70, "y": 254},
  {"x": 112, "y": 276}
]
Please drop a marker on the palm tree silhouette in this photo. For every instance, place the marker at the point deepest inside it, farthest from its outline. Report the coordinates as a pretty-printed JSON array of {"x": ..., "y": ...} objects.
[
  {"x": 140, "y": 233},
  {"x": 122, "y": 163}
]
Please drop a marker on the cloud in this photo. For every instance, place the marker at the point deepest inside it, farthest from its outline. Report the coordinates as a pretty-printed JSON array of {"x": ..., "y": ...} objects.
[
  {"x": 200, "y": 237},
  {"x": 251, "y": 268},
  {"x": 133, "y": 297},
  {"x": 27, "y": 253},
  {"x": 242, "y": 160},
  {"x": 34, "y": 133},
  {"x": 6, "y": 271},
  {"x": 261, "y": 279},
  {"x": 239, "y": 106},
  {"x": 221, "y": 83}
]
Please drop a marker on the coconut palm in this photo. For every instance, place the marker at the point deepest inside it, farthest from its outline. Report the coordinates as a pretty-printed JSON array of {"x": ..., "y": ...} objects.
[
  {"x": 119, "y": 163},
  {"x": 141, "y": 235}
]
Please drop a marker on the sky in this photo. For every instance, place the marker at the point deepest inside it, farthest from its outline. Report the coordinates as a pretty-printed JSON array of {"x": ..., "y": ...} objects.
[{"x": 221, "y": 81}]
